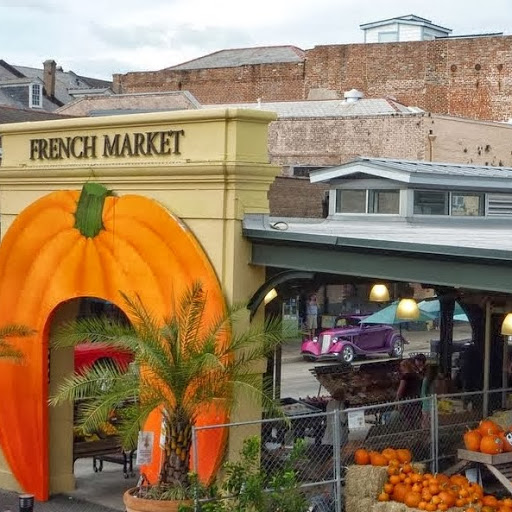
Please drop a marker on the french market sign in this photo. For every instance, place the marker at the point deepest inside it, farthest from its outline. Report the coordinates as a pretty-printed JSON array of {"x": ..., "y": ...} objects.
[{"x": 166, "y": 142}]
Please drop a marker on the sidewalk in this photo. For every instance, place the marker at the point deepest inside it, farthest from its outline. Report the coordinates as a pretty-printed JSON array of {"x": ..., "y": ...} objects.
[{"x": 9, "y": 502}]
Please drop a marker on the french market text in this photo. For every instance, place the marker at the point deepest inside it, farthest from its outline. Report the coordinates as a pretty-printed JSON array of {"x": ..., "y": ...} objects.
[{"x": 165, "y": 142}]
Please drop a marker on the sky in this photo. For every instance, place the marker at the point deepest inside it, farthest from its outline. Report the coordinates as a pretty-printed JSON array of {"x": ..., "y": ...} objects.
[{"x": 98, "y": 38}]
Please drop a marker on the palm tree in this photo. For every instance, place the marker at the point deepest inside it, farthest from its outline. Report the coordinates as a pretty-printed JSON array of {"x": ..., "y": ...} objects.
[
  {"x": 7, "y": 332},
  {"x": 181, "y": 366}
]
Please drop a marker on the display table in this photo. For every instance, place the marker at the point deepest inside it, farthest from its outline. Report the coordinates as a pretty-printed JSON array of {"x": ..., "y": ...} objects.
[{"x": 499, "y": 465}]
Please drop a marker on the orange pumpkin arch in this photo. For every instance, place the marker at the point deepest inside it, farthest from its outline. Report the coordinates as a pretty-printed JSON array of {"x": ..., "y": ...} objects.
[{"x": 72, "y": 244}]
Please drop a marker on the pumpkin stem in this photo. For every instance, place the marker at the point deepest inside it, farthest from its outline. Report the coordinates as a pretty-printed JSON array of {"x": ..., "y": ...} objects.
[{"x": 89, "y": 210}]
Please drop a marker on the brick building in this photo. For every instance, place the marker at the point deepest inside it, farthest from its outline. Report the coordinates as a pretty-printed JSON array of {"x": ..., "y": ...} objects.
[{"x": 460, "y": 76}]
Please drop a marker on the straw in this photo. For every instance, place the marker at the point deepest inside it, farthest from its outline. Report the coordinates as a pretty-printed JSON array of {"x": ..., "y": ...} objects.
[{"x": 365, "y": 481}]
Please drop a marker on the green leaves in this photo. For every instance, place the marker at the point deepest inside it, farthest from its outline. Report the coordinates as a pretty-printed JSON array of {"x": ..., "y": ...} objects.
[
  {"x": 7, "y": 332},
  {"x": 184, "y": 363}
]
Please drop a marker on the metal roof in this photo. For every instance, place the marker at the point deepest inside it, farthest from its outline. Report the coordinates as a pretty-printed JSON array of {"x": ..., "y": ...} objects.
[
  {"x": 469, "y": 255},
  {"x": 410, "y": 19},
  {"x": 328, "y": 108},
  {"x": 244, "y": 57},
  {"x": 421, "y": 173},
  {"x": 470, "y": 238}
]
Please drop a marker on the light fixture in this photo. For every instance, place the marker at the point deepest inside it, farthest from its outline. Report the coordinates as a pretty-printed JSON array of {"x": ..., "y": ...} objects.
[
  {"x": 379, "y": 293},
  {"x": 271, "y": 295},
  {"x": 506, "y": 326},
  {"x": 408, "y": 309}
]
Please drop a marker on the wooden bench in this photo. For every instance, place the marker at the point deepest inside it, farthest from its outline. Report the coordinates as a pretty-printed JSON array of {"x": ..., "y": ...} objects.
[{"x": 105, "y": 450}]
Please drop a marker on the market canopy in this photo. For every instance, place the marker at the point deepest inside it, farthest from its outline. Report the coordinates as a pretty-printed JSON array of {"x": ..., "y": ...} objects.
[
  {"x": 387, "y": 315},
  {"x": 433, "y": 308}
]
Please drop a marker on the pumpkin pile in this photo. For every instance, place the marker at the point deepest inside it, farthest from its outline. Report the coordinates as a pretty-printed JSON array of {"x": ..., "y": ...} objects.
[
  {"x": 488, "y": 438},
  {"x": 426, "y": 491}
]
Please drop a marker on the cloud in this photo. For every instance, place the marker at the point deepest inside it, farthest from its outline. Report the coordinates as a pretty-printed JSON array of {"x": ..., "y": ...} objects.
[{"x": 105, "y": 37}]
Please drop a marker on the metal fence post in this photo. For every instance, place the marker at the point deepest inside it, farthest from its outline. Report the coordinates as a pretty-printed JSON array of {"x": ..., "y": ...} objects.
[
  {"x": 434, "y": 433},
  {"x": 337, "y": 456}
]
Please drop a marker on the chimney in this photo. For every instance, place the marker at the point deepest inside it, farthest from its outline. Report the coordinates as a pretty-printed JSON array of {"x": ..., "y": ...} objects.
[{"x": 50, "y": 69}]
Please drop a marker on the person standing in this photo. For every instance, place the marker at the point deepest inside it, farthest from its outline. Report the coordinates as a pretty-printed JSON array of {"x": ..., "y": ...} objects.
[
  {"x": 409, "y": 388},
  {"x": 312, "y": 315}
]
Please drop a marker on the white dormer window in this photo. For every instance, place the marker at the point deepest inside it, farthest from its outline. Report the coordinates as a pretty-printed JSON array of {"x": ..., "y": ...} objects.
[{"x": 36, "y": 95}]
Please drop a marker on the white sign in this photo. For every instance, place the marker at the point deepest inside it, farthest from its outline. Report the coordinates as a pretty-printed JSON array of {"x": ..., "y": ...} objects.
[
  {"x": 356, "y": 420},
  {"x": 145, "y": 448}
]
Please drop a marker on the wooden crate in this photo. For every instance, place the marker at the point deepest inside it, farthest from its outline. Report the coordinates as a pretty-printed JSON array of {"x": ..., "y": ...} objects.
[{"x": 484, "y": 458}]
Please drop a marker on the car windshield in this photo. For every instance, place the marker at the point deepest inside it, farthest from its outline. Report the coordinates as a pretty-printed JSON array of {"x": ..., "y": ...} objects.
[{"x": 349, "y": 321}]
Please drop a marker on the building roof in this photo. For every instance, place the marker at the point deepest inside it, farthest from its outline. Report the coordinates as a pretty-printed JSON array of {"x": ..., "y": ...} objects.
[
  {"x": 449, "y": 238},
  {"x": 65, "y": 81},
  {"x": 112, "y": 104},
  {"x": 418, "y": 172},
  {"x": 410, "y": 19},
  {"x": 327, "y": 108},
  {"x": 244, "y": 57},
  {"x": 10, "y": 114}
]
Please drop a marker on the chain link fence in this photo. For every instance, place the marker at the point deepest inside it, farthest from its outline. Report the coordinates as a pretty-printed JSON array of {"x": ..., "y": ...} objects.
[{"x": 431, "y": 428}]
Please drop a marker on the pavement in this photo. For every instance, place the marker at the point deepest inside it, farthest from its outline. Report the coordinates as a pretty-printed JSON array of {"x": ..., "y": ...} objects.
[{"x": 103, "y": 492}]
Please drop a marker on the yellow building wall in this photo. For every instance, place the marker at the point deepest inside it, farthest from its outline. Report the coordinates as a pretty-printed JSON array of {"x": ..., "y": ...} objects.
[{"x": 221, "y": 172}]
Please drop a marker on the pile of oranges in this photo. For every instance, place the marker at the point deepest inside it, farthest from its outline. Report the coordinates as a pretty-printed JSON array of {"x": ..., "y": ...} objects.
[{"x": 427, "y": 491}]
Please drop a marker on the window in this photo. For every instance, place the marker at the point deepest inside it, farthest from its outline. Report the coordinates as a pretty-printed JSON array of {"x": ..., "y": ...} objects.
[
  {"x": 428, "y": 202},
  {"x": 384, "y": 201},
  {"x": 350, "y": 201},
  {"x": 388, "y": 37},
  {"x": 36, "y": 95},
  {"x": 457, "y": 204},
  {"x": 467, "y": 204}
]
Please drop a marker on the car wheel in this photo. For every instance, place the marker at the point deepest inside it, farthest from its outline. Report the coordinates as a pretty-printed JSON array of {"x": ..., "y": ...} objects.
[
  {"x": 347, "y": 354},
  {"x": 397, "y": 348}
]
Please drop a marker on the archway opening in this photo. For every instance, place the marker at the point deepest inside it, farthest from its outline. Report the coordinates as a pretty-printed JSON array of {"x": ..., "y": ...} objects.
[{"x": 74, "y": 456}]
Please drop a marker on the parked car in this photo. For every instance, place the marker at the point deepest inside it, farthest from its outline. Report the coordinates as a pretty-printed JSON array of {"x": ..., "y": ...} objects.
[
  {"x": 350, "y": 338},
  {"x": 88, "y": 354}
]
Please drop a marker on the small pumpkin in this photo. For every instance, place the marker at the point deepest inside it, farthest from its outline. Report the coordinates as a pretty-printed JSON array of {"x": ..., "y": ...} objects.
[
  {"x": 362, "y": 457},
  {"x": 412, "y": 499},
  {"x": 390, "y": 453},
  {"x": 489, "y": 427},
  {"x": 404, "y": 455},
  {"x": 383, "y": 496},
  {"x": 400, "y": 492},
  {"x": 377, "y": 459},
  {"x": 491, "y": 444},
  {"x": 490, "y": 501},
  {"x": 472, "y": 439}
]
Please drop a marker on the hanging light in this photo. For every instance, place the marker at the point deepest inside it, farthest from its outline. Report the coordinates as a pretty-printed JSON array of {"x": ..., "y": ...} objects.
[
  {"x": 271, "y": 295},
  {"x": 408, "y": 309},
  {"x": 506, "y": 326},
  {"x": 379, "y": 293}
]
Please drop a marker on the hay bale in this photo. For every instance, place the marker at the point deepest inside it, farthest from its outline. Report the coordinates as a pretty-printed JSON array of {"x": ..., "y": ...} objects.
[
  {"x": 390, "y": 506},
  {"x": 365, "y": 481},
  {"x": 355, "y": 504}
]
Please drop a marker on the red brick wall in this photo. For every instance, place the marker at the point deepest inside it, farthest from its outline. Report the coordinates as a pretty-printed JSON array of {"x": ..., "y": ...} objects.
[
  {"x": 469, "y": 77},
  {"x": 335, "y": 141},
  {"x": 296, "y": 197},
  {"x": 278, "y": 82}
]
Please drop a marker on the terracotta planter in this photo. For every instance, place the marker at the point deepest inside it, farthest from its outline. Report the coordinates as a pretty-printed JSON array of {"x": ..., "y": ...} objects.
[{"x": 134, "y": 504}]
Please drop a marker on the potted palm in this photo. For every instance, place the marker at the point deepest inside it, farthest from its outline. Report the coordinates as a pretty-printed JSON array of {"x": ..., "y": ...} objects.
[{"x": 181, "y": 365}]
